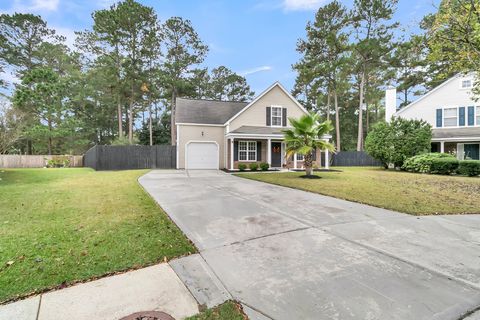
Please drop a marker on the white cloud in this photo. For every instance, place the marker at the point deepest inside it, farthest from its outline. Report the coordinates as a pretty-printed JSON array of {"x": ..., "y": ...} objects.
[
  {"x": 26, "y": 6},
  {"x": 69, "y": 35},
  {"x": 296, "y": 5},
  {"x": 255, "y": 70}
]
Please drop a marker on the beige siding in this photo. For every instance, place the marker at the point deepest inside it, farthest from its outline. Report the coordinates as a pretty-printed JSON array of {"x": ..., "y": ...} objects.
[
  {"x": 188, "y": 133},
  {"x": 255, "y": 115}
]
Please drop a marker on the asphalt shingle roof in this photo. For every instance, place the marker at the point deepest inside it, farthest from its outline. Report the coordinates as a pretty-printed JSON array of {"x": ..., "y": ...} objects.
[
  {"x": 258, "y": 130},
  {"x": 206, "y": 111},
  {"x": 456, "y": 133}
]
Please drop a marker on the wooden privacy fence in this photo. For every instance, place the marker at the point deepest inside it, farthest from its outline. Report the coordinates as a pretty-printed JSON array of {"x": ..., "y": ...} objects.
[
  {"x": 131, "y": 157},
  {"x": 35, "y": 161},
  {"x": 354, "y": 158}
]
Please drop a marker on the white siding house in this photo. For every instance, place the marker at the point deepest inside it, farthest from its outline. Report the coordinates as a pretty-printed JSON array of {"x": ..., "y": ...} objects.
[{"x": 452, "y": 111}]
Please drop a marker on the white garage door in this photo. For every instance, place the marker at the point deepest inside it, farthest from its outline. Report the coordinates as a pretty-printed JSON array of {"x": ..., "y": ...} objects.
[{"x": 202, "y": 155}]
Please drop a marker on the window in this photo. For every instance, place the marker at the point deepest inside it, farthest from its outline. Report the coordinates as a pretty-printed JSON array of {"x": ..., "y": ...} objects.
[
  {"x": 299, "y": 157},
  {"x": 478, "y": 115},
  {"x": 466, "y": 84},
  {"x": 277, "y": 116},
  {"x": 450, "y": 117},
  {"x": 247, "y": 150}
]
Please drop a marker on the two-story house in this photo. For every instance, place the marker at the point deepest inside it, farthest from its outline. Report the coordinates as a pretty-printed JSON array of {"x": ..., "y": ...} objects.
[
  {"x": 222, "y": 134},
  {"x": 452, "y": 111}
]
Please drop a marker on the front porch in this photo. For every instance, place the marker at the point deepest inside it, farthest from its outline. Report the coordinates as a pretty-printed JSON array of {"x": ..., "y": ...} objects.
[
  {"x": 462, "y": 149},
  {"x": 270, "y": 149}
]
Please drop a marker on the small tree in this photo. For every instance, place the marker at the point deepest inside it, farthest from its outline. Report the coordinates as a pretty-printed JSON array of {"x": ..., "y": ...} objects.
[
  {"x": 394, "y": 142},
  {"x": 12, "y": 125},
  {"x": 306, "y": 136}
]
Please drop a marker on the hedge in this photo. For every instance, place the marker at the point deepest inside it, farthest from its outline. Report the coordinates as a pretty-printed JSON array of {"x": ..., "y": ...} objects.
[
  {"x": 444, "y": 166},
  {"x": 469, "y": 168},
  {"x": 423, "y": 162}
]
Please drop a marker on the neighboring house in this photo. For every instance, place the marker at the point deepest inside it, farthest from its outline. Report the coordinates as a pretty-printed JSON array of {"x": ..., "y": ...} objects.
[
  {"x": 453, "y": 113},
  {"x": 223, "y": 134}
]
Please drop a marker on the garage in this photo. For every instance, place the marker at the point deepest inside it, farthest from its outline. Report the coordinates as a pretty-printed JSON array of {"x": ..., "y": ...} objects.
[{"x": 201, "y": 155}]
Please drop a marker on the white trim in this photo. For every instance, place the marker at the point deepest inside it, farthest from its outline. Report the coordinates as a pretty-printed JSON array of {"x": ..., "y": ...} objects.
[
  {"x": 250, "y": 135},
  {"x": 427, "y": 94},
  {"x": 459, "y": 139},
  {"x": 271, "y": 116},
  {"x": 202, "y": 141},
  {"x": 294, "y": 161},
  {"x": 178, "y": 148},
  {"x": 232, "y": 156},
  {"x": 199, "y": 124},
  {"x": 247, "y": 150},
  {"x": 261, "y": 95}
]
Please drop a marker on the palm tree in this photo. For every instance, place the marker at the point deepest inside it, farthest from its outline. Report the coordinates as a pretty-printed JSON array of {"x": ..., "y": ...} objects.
[{"x": 306, "y": 135}]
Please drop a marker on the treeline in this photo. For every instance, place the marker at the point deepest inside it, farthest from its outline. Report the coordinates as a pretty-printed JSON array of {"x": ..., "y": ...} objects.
[
  {"x": 118, "y": 85},
  {"x": 350, "y": 55}
]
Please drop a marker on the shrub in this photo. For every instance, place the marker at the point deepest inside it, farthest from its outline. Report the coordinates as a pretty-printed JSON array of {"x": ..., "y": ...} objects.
[
  {"x": 444, "y": 166},
  {"x": 58, "y": 163},
  {"x": 242, "y": 166},
  {"x": 253, "y": 166},
  {"x": 423, "y": 162},
  {"x": 469, "y": 168},
  {"x": 264, "y": 166},
  {"x": 398, "y": 140}
]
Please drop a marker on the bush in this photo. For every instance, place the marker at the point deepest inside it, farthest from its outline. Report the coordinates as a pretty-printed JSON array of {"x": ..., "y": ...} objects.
[
  {"x": 58, "y": 163},
  {"x": 264, "y": 166},
  {"x": 253, "y": 166},
  {"x": 242, "y": 166},
  {"x": 469, "y": 168},
  {"x": 423, "y": 162},
  {"x": 444, "y": 166},
  {"x": 398, "y": 140}
]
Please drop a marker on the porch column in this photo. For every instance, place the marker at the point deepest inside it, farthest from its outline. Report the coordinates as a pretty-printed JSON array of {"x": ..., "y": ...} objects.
[
  {"x": 232, "y": 156},
  {"x": 442, "y": 146},
  {"x": 269, "y": 152},
  {"x": 294, "y": 161},
  {"x": 327, "y": 161}
]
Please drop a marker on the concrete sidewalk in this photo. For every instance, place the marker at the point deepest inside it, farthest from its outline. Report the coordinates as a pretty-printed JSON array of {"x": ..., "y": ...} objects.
[
  {"x": 155, "y": 288},
  {"x": 289, "y": 254}
]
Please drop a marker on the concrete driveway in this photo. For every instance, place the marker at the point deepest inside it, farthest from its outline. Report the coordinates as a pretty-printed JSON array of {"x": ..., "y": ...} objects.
[{"x": 289, "y": 254}]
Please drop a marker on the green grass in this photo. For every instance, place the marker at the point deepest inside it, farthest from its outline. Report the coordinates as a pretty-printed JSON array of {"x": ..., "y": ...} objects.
[
  {"x": 227, "y": 311},
  {"x": 58, "y": 226},
  {"x": 418, "y": 194}
]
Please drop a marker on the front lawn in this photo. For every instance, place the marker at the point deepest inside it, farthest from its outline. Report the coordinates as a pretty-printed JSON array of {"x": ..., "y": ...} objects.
[
  {"x": 59, "y": 226},
  {"x": 418, "y": 194}
]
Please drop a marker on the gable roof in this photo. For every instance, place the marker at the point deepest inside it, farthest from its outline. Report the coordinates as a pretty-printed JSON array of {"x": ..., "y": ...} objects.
[
  {"x": 276, "y": 84},
  {"x": 206, "y": 111},
  {"x": 432, "y": 91}
]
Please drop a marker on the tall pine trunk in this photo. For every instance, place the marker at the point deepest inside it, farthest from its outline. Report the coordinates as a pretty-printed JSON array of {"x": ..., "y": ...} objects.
[
  {"x": 130, "y": 117},
  {"x": 328, "y": 105},
  {"x": 337, "y": 120},
  {"x": 150, "y": 123},
  {"x": 173, "y": 128},
  {"x": 360, "y": 113},
  {"x": 49, "y": 137},
  {"x": 119, "y": 116}
]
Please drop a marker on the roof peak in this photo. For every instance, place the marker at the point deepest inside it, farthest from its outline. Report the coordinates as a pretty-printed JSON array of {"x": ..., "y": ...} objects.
[{"x": 213, "y": 100}]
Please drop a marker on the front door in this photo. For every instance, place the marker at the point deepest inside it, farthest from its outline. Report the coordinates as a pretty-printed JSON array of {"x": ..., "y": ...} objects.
[
  {"x": 472, "y": 151},
  {"x": 276, "y": 154}
]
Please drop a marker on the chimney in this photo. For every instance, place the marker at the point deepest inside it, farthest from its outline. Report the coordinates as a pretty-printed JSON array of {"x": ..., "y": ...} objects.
[{"x": 390, "y": 102}]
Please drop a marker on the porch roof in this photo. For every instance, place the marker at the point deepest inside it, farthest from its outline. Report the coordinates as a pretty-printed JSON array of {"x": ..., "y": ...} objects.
[
  {"x": 456, "y": 133},
  {"x": 259, "y": 130}
]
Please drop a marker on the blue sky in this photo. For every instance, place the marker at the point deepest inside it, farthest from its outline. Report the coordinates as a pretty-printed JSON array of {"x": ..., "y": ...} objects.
[{"x": 254, "y": 38}]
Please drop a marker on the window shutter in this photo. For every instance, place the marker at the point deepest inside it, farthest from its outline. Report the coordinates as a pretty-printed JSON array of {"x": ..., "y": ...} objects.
[
  {"x": 439, "y": 118},
  {"x": 259, "y": 151},
  {"x": 461, "y": 116},
  {"x": 235, "y": 150},
  {"x": 284, "y": 117},
  {"x": 269, "y": 117},
  {"x": 471, "y": 116}
]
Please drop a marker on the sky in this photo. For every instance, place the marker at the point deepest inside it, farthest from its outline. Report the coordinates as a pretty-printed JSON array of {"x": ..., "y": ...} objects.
[{"x": 255, "y": 38}]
